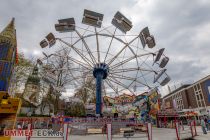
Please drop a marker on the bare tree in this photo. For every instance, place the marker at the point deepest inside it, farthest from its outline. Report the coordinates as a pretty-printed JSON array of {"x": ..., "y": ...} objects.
[
  {"x": 87, "y": 91},
  {"x": 57, "y": 74},
  {"x": 20, "y": 74}
]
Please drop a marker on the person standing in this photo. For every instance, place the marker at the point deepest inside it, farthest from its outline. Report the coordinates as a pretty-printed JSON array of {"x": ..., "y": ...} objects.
[
  {"x": 203, "y": 126},
  {"x": 206, "y": 122}
]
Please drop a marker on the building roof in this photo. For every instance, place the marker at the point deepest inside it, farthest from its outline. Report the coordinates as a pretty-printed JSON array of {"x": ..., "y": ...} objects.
[
  {"x": 9, "y": 31},
  {"x": 201, "y": 80},
  {"x": 188, "y": 85},
  {"x": 178, "y": 89}
]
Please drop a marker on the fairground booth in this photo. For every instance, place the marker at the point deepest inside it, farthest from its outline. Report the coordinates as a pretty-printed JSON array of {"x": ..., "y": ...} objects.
[{"x": 166, "y": 118}]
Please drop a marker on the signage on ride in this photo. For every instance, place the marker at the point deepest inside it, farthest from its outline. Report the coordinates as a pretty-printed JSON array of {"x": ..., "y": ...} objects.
[
  {"x": 33, "y": 133},
  {"x": 122, "y": 99},
  {"x": 130, "y": 106}
]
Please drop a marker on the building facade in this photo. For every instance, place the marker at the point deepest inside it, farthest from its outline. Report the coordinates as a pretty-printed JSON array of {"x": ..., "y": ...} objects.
[{"x": 194, "y": 97}]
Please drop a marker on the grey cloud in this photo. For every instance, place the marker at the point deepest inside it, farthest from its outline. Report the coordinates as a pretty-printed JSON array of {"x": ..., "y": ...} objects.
[
  {"x": 185, "y": 71},
  {"x": 178, "y": 24}
]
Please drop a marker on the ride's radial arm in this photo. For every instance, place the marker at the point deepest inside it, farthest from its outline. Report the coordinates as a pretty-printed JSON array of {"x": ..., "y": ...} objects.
[
  {"x": 127, "y": 44},
  {"x": 130, "y": 69},
  {"x": 97, "y": 43},
  {"x": 128, "y": 60},
  {"x": 87, "y": 48},
  {"x": 111, "y": 86},
  {"x": 78, "y": 52},
  {"x": 110, "y": 45},
  {"x": 128, "y": 78},
  {"x": 121, "y": 84}
]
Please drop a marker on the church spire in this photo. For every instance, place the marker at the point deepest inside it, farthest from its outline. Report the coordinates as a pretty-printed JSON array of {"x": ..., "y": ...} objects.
[
  {"x": 9, "y": 31},
  {"x": 9, "y": 35}
]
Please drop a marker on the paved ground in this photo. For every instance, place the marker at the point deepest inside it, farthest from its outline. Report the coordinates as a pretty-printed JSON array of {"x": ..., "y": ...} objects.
[
  {"x": 158, "y": 134},
  {"x": 202, "y": 136}
]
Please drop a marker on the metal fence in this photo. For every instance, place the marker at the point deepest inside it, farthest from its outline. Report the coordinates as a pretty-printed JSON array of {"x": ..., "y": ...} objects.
[{"x": 85, "y": 128}]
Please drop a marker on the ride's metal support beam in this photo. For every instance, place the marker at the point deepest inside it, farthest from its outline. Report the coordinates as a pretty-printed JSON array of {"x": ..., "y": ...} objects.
[
  {"x": 130, "y": 69},
  {"x": 100, "y": 34},
  {"x": 127, "y": 44},
  {"x": 110, "y": 45},
  {"x": 72, "y": 75},
  {"x": 121, "y": 84},
  {"x": 78, "y": 52},
  {"x": 99, "y": 78},
  {"x": 128, "y": 78},
  {"x": 111, "y": 86},
  {"x": 87, "y": 48},
  {"x": 72, "y": 69},
  {"x": 74, "y": 60},
  {"x": 78, "y": 77},
  {"x": 97, "y": 43},
  {"x": 79, "y": 62},
  {"x": 127, "y": 60},
  {"x": 117, "y": 82}
]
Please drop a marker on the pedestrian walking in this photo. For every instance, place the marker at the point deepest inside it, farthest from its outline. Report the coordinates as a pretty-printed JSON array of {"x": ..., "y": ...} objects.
[
  {"x": 206, "y": 122},
  {"x": 203, "y": 126}
]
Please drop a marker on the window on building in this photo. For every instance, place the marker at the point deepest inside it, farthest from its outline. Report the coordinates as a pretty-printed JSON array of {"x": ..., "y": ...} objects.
[
  {"x": 195, "y": 88},
  {"x": 199, "y": 95},
  {"x": 202, "y": 104},
  {"x": 199, "y": 86},
  {"x": 196, "y": 93},
  {"x": 209, "y": 89},
  {"x": 178, "y": 98},
  {"x": 199, "y": 104}
]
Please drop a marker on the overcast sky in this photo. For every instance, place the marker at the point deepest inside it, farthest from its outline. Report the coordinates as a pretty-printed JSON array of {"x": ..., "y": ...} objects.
[{"x": 180, "y": 26}]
